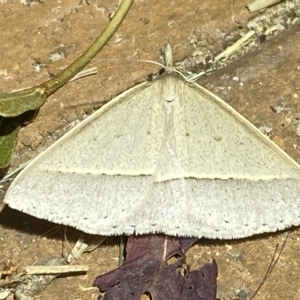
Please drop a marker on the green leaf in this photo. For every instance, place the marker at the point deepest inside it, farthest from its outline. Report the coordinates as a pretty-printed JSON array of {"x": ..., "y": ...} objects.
[
  {"x": 8, "y": 135},
  {"x": 16, "y": 103}
]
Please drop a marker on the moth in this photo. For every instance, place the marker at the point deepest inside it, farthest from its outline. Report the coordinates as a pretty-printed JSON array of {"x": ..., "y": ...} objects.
[{"x": 165, "y": 156}]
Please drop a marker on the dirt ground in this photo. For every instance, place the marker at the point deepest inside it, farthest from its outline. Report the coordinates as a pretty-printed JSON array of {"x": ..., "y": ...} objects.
[{"x": 262, "y": 84}]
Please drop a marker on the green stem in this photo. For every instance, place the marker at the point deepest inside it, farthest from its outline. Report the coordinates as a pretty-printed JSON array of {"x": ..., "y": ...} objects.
[
  {"x": 16, "y": 103},
  {"x": 54, "y": 84}
]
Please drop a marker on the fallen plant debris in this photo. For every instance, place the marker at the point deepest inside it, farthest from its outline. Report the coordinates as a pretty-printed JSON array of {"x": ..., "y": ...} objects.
[
  {"x": 26, "y": 285},
  {"x": 155, "y": 266}
]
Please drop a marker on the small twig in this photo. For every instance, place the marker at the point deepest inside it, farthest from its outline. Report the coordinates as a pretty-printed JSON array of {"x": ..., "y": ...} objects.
[
  {"x": 39, "y": 270},
  {"x": 77, "y": 250},
  {"x": 89, "y": 288},
  {"x": 81, "y": 74},
  {"x": 224, "y": 55},
  {"x": 122, "y": 249},
  {"x": 261, "y": 4},
  {"x": 8, "y": 176},
  {"x": 84, "y": 73},
  {"x": 230, "y": 50},
  {"x": 82, "y": 246},
  {"x": 95, "y": 243}
]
